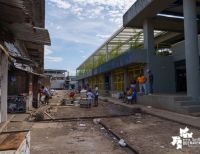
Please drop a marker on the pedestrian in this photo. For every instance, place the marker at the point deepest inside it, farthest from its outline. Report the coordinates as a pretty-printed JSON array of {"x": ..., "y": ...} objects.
[
  {"x": 150, "y": 82},
  {"x": 79, "y": 89},
  {"x": 89, "y": 97},
  {"x": 124, "y": 98},
  {"x": 46, "y": 93},
  {"x": 134, "y": 96},
  {"x": 129, "y": 95},
  {"x": 71, "y": 95},
  {"x": 96, "y": 98},
  {"x": 142, "y": 84},
  {"x": 133, "y": 84}
]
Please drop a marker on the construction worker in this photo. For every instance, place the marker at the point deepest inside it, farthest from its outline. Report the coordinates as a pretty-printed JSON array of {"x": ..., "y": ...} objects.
[{"x": 96, "y": 96}]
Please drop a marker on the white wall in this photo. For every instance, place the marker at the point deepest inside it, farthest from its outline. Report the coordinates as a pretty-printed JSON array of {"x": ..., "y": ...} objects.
[
  {"x": 57, "y": 84},
  {"x": 179, "y": 50}
]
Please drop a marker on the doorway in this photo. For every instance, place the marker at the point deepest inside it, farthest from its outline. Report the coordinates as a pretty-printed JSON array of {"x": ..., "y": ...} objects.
[{"x": 181, "y": 85}]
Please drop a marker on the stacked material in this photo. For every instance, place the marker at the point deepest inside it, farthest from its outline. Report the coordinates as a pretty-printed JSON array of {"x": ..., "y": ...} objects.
[
  {"x": 83, "y": 100},
  {"x": 83, "y": 94}
]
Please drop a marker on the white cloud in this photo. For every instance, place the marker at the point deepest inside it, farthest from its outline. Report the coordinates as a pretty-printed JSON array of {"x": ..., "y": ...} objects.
[
  {"x": 54, "y": 59},
  {"x": 48, "y": 51},
  {"x": 48, "y": 55},
  {"x": 83, "y": 23},
  {"x": 61, "y": 4},
  {"x": 81, "y": 32},
  {"x": 94, "y": 9},
  {"x": 101, "y": 36}
]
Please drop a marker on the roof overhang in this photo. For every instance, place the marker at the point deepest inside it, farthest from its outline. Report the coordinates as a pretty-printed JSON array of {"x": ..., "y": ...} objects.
[
  {"x": 26, "y": 32},
  {"x": 31, "y": 72},
  {"x": 166, "y": 15},
  {"x": 123, "y": 37},
  {"x": 24, "y": 60},
  {"x": 133, "y": 56},
  {"x": 15, "y": 11},
  {"x": 54, "y": 71}
]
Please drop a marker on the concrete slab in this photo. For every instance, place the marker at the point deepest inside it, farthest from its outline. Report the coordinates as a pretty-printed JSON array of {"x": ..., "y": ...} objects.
[{"x": 172, "y": 116}]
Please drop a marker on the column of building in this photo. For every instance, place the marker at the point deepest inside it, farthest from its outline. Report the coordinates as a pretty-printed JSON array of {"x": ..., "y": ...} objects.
[
  {"x": 148, "y": 31},
  {"x": 149, "y": 41},
  {"x": 191, "y": 48}
]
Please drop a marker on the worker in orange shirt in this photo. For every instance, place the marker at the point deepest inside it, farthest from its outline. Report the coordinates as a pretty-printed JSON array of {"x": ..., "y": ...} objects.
[{"x": 142, "y": 84}]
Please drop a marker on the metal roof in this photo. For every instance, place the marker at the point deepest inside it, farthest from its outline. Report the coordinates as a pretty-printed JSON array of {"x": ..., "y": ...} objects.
[
  {"x": 54, "y": 71},
  {"x": 16, "y": 11},
  {"x": 26, "y": 32},
  {"x": 122, "y": 39}
]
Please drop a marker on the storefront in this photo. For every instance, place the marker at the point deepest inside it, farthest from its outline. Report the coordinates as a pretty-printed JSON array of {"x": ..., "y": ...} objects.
[{"x": 118, "y": 80}]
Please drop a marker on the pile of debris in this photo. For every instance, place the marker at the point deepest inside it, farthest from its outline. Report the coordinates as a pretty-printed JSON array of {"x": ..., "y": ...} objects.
[{"x": 39, "y": 114}]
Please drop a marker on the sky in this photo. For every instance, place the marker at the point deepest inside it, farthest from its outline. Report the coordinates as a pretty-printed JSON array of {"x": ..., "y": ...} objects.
[{"x": 78, "y": 27}]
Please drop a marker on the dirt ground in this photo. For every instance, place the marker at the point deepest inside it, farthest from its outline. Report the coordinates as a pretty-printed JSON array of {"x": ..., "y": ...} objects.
[
  {"x": 70, "y": 138},
  {"x": 103, "y": 109},
  {"x": 150, "y": 135},
  {"x": 144, "y": 133}
]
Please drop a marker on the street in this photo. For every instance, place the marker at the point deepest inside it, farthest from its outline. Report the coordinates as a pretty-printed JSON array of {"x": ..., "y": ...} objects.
[{"x": 74, "y": 130}]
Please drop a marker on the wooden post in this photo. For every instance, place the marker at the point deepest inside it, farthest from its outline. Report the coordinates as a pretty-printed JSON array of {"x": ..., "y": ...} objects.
[
  {"x": 30, "y": 92},
  {"x": 3, "y": 86}
]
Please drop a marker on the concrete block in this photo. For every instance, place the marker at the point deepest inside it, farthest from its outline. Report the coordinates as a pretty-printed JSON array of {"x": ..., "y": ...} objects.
[
  {"x": 187, "y": 103},
  {"x": 192, "y": 108}
]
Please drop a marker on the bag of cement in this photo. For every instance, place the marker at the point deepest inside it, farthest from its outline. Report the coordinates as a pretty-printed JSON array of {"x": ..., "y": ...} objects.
[{"x": 122, "y": 143}]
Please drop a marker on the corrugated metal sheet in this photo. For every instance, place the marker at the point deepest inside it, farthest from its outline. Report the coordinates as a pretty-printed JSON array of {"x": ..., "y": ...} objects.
[
  {"x": 26, "y": 32},
  {"x": 12, "y": 14},
  {"x": 16, "y": 10},
  {"x": 28, "y": 8},
  {"x": 13, "y": 3}
]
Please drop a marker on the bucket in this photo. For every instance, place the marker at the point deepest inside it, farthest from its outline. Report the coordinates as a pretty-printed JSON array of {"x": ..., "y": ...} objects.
[{"x": 76, "y": 103}]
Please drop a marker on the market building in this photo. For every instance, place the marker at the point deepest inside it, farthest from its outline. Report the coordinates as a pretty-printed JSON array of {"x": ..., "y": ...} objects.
[
  {"x": 59, "y": 79},
  {"x": 22, "y": 53},
  {"x": 158, "y": 35}
]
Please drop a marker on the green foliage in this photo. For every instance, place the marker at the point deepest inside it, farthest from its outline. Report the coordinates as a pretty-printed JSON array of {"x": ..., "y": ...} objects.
[
  {"x": 135, "y": 41},
  {"x": 101, "y": 59},
  {"x": 97, "y": 60},
  {"x": 115, "y": 52}
]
